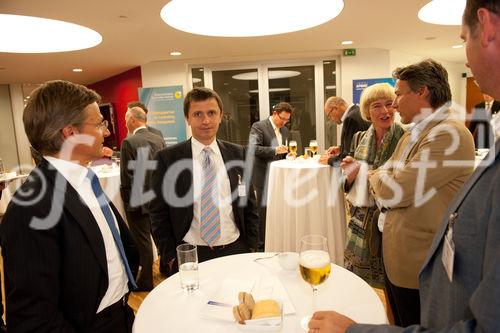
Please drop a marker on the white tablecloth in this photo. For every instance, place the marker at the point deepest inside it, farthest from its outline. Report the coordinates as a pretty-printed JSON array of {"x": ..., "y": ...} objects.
[
  {"x": 170, "y": 309},
  {"x": 304, "y": 197}
]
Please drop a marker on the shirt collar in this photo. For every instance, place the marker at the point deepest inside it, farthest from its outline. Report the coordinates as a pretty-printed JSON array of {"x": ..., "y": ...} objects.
[
  {"x": 419, "y": 126},
  {"x": 344, "y": 116},
  {"x": 73, "y": 172},
  {"x": 272, "y": 124},
  {"x": 197, "y": 147},
  {"x": 139, "y": 128}
]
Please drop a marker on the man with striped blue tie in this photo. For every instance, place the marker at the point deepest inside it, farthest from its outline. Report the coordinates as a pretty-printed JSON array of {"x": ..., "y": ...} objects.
[{"x": 201, "y": 196}]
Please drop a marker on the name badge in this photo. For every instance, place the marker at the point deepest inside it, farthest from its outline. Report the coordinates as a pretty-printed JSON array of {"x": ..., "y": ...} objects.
[
  {"x": 448, "y": 257},
  {"x": 242, "y": 190}
]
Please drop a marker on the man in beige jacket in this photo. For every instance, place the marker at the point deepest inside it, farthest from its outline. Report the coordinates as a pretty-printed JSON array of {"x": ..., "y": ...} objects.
[{"x": 414, "y": 188}]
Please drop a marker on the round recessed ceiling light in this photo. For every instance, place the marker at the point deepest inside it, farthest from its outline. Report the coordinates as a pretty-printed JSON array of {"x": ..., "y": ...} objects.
[
  {"x": 272, "y": 75},
  {"x": 77, "y": 70},
  {"x": 175, "y": 53},
  {"x": 444, "y": 12},
  {"x": 28, "y": 34},
  {"x": 237, "y": 18},
  {"x": 347, "y": 42},
  {"x": 458, "y": 46},
  {"x": 196, "y": 80}
]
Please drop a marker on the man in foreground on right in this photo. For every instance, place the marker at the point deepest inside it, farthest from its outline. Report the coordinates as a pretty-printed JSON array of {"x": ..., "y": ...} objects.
[{"x": 459, "y": 281}]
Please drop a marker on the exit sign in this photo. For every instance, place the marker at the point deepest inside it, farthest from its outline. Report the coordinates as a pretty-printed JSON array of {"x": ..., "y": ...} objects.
[{"x": 349, "y": 52}]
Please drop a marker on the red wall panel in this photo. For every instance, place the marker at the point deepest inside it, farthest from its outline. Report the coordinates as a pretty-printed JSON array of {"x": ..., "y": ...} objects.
[{"x": 120, "y": 90}]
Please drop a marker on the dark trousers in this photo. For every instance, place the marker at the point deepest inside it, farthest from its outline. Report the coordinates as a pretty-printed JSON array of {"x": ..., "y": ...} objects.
[
  {"x": 405, "y": 304},
  {"x": 262, "y": 206},
  {"x": 116, "y": 318},
  {"x": 206, "y": 252},
  {"x": 140, "y": 229}
]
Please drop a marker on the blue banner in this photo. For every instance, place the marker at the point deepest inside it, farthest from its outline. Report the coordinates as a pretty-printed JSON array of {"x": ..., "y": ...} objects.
[
  {"x": 165, "y": 111},
  {"x": 359, "y": 85}
]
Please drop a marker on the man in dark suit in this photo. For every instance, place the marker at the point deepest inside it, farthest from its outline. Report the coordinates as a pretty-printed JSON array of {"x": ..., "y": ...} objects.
[
  {"x": 143, "y": 107},
  {"x": 200, "y": 194},
  {"x": 268, "y": 138},
  {"x": 136, "y": 150},
  {"x": 339, "y": 112},
  {"x": 459, "y": 289},
  {"x": 480, "y": 125},
  {"x": 69, "y": 259}
]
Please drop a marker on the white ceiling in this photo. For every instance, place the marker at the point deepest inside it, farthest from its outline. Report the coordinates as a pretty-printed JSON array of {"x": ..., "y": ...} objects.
[{"x": 134, "y": 34}]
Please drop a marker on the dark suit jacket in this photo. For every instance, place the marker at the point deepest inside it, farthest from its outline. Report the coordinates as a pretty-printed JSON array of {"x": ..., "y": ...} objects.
[
  {"x": 352, "y": 124},
  {"x": 263, "y": 141},
  {"x": 171, "y": 210},
  {"x": 480, "y": 126},
  {"x": 143, "y": 138},
  {"x": 155, "y": 131},
  {"x": 55, "y": 277},
  {"x": 471, "y": 302}
]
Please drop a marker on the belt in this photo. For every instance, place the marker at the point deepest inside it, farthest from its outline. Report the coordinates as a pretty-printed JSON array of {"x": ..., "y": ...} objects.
[
  {"x": 216, "y": 248},
  {"x": 115, "y": 307}
]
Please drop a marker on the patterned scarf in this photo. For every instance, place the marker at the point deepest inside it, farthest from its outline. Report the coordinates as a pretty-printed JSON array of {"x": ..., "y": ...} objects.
[{"x": 367, "y": 149}]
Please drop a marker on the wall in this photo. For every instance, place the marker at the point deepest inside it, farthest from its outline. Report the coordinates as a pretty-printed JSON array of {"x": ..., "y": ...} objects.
[
  {"x": 120, "y": 90},
  {"x": 8, "y": 151}
]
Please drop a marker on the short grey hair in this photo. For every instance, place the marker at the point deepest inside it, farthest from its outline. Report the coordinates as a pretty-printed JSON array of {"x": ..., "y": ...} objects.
[
  {"x": 335, "y": 100},
  {"x": 137, "y": 113}
]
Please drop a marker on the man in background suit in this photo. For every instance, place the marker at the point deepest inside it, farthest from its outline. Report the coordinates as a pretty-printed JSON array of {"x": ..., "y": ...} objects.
[
  {"x": 268, "y": 138},
  {"x": 225, "y": 222},
  {"x": 460, "y": 294},
  {"x": 338, "y": 111},
  {"x": 143, "y": 107},
  {"x": 139, "y": 147},
  {"x": 480, "y": 125},
  {"x": 69, "y": 259}
]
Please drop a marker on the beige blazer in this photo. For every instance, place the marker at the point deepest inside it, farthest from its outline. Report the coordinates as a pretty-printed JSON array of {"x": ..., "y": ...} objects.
[{"x": 433, "y": 170}]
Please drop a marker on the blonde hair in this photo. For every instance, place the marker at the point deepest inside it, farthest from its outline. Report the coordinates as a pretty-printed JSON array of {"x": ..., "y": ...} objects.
[{"x": 372, "y": 93}]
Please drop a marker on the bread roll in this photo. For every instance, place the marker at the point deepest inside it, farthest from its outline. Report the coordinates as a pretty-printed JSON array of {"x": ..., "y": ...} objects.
[
  {"x": 266, "y": 308},
  {"x": 241, "y": 313},
  {"x": 247, "y": 299}
]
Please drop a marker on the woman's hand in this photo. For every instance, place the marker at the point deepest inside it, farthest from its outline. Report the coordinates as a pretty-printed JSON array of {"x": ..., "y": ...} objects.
[{"x": 350, "y": 167}]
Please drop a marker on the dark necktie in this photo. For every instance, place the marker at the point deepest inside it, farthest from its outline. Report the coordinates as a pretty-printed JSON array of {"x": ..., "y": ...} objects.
[{"x": 106, "y": 210}]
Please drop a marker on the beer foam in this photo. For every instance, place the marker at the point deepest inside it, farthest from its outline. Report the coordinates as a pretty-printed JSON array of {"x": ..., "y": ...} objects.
[{"x": 314, "y": 258}]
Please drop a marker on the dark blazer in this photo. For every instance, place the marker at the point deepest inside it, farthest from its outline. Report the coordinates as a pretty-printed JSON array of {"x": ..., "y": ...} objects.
[
  {"x": 171, "y": 210},
  {"x": 56, "y": 276},
  {"x": 352, "y": 124},
  {"x": 143, "y": 138},
  {"x": 480, "y": 126},
  {"x": 471, "y": 302},
  {"x": 155, "y": 131},
  {"x": 263, "y": 141}
]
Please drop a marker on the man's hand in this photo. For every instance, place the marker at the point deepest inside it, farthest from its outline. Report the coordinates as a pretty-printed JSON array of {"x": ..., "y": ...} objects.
[
  {"x": 324, "y": 158},
  {"x": 329, "y": 322},
  {"x": 107, "y": 152},
  {"x": 350, "y": 167},
  {"x": 281, "y": 150},
  {"x": 333, "y": 150}
]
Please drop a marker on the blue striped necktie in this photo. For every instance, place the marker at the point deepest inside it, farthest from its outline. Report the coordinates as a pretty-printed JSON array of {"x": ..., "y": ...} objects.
[
  {"x": 210, "y": 216},
  {"x": 106, "y": 210}
]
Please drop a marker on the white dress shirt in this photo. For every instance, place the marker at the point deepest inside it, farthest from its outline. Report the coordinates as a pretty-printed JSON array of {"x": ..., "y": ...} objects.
[
  {"x": 228, "y": 230},
  {"x": 276, "y": 132},
  {"x": 139, "y": 128},
  {"x": 75, "y": 174}
]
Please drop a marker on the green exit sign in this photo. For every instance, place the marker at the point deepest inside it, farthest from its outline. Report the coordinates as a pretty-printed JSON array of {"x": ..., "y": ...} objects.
[{"x": 349, "y": 52}]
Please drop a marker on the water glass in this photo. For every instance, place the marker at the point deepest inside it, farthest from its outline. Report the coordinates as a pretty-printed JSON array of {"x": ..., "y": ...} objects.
[{"x": 187, "y": 258}]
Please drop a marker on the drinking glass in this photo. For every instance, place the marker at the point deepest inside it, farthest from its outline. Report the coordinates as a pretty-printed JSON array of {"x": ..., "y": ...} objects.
[
  {"x": 293, "y": 147},
  {"x": 313, "y": 146},
  {"x": 187, "y": 257},
  {"x": 314, "y": 264}
]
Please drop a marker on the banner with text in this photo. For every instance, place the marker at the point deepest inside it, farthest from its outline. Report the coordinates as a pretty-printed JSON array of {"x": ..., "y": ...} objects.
[
  {"x": 165, "y": 111},
  {"x": 359, "y": 85}
]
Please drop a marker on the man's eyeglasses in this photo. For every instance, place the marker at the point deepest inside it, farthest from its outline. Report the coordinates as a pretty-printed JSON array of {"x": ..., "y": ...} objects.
[
  {"x": 283, "y": 119},
  {"x": 103, "y": 125}
]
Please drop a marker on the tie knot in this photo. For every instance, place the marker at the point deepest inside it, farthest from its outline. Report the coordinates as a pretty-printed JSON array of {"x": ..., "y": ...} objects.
[
  {"x": 91, "y": 175},
  {"x": 207, "y": 150}
]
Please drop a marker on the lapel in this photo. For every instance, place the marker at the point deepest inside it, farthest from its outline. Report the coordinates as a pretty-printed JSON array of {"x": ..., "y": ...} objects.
[
  {"x": 459, "y": 198},
  {"x": 272, "y": 135},
  {"x": 227, "y": 156},
  {"x": 73, "y": 205}
]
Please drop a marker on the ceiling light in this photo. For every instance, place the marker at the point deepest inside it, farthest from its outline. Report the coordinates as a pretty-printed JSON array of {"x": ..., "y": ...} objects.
[
  {"x": 271, "y": 74},
  {"x": 228, "y": 20},
  {"x": 347, "y": 42},
  {"x": 270, "y": 90},
  {"x": 444, "y": 12},
  {"x": 196, "y": 80},
  {"x": 28, "y": 34},
  {"x": 330, "y": 87},
  {"x": 175, "y": 53},
  {"x": 458, "y": 46},
  {"x": 78, "y": 70}
]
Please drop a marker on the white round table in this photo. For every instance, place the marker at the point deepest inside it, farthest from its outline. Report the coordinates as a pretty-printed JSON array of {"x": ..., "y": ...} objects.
[
  {"x": 304, "y": 197},
  {"x": 170, "y": 309}
]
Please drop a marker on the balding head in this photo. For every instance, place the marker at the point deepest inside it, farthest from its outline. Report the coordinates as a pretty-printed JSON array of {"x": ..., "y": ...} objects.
[
  {"x": 135, "y": 118},
  {"x": 335, "y": 108}
]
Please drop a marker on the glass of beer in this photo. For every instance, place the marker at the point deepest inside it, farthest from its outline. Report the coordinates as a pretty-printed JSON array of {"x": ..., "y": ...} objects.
[
  {"x": 313, "y": 146},
  {"x": 292, "y": 145},
  {"x": 314, "y": 265}
]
